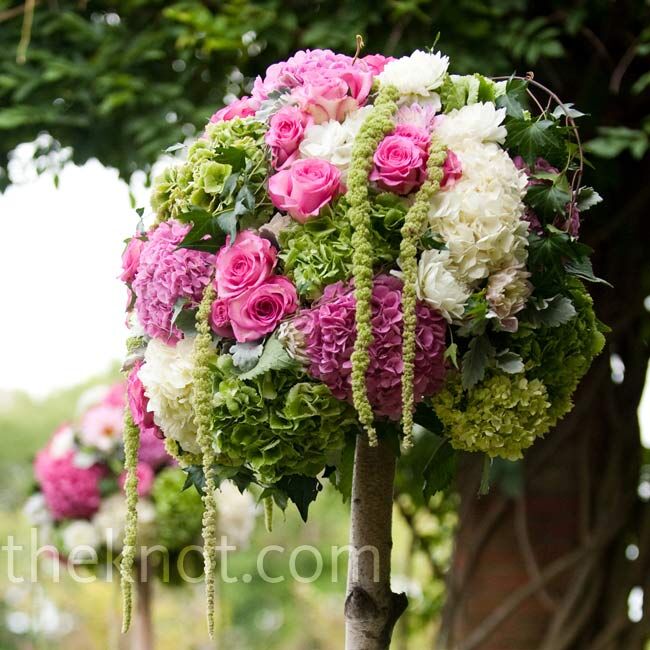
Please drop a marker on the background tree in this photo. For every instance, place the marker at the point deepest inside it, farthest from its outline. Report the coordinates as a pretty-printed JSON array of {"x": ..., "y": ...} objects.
[{"x": 541, "y": 563}]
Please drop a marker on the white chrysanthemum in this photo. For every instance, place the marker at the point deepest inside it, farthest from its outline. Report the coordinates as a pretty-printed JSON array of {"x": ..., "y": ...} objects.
[
  {"x": 332, "y": 140},
  {"x": 472, "y": 124},
  {"x": 167, "y": 378},
  {"x": 479, "y": 217},
  {"x": 110, "y": 520},
  {"x": 237, "y": 514},
  {"x": 417, "y": 74},
  {"x": 77, "y": 534},
  {"x": 438, "y": 286}
]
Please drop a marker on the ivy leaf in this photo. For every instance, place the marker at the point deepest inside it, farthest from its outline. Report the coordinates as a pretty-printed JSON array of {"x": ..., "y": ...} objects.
[
  {"x": 233, "y": 156},
  {"x": 533, "y": 139},
  {"x": 301, "y": 490},
  {"x": 274, "y": 357},
  {"x": 440, "y": 469},
  {"x": 175, "y": 147},
  {"x": 475, "y": 360},
  {"x": 178, "y": 308},
  {"x": 559, "y": 112},
  {"x": 515, "y": 99},
  {"x": 246, "y": 355},
  {"x": 186, "y": 320},
  {"x": 451, "y": 353},
  {"x": 548, "y": 200},
  {"x": 426, "y": 417},
  {"x": 195, "y": 477},
  {"x": 551, "y": 313},
  {"x": 227, "y": 222}
]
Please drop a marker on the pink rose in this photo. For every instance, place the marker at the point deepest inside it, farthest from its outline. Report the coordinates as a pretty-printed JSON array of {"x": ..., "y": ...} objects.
[
  {"x": 286, "y": 130},
  {"x": 400, "y": 165},
  {"x": 131, "y": 259},
  {"x": 304, "y": 188},
  {"x": 376, "y": 62},
  {"x": 219, "y": 319},
  {"x": 244, "y": 264},
  {"x": 452, "y": 169},
  {"x": 139, "y": 404},
  {"x": 416, "y": 134},
  {"x": 244, "y": 107},
  {"x": 258, "y": 311},
  {"x": 331, "y": 94},
  {"x": 145, "y": 479}
]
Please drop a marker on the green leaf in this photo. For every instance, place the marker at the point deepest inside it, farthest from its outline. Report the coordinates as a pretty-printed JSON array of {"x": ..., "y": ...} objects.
[
  {"x": 583, "y": 269},
  {"x": 548, "y": 200},
  {"x": 451, "y": 353},
  {"x": 475, "y": 361},
  {"x": 232, "y": 156},
  {"x": 227, "y": 222},
  {"x": 301, "y": 490},
  {"x": 509, "y": 362},
  {"x": 341, "y": 476},
  {"x": 587, "y": 198},
  {"x": 515, "y": 99},
  {"x": 440, "y": 469},
  {"x": 246, "y": 355},
  {"x": 533, "y": 139},
  {"x": 274, "y": 357},
  {"x": 174, "y": 147},
  {"x": 178, "y": 308},
  {"x": 562, "y": 111}
]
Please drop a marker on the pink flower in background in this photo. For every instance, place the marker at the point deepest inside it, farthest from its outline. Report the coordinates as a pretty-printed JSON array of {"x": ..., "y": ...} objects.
[
  {"x": 258, "y": 311},
  {"x": 145, "y": 479},
  {"x": 304, "y": 188},
  {"x": 167, "y": 274},
  {"x": 376, "y": 62},
  {"x": 131, "y": 259},
  {"x": 286, "y": 130},
  {"x": 399, "y": 165},
  {"x": 243, "y": 107},
  {"x": 220, "y": 320},
  {"x": 417, "y": 134},
  {"x": 452, "y": 169},
  {"x": 115, "y": 396},
  {"x": 69, "y": 491},
  {"x": 102, "y": 427},
  {"x": 245, "y": 264},
  {"x": 152, "y": 448},
  {"x": 329, "y": 332}
]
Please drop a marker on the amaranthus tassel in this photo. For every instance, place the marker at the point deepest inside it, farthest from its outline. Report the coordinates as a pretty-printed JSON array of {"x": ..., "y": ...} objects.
[
  {"x": 131, "y": 446},
  {"x": 268, "y": 514},
  {"x": 202, "y": 391},
  {"x": 413, "y": 228},
  {"x": 378, "y": 124}
]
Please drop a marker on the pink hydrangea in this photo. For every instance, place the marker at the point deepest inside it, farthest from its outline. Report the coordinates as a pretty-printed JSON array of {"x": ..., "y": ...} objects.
[
  {"x": 328, "y": 329},
  {"x": 376, "y": 62},
  {"x": 152, "y": 448},
  {"x": 145, "y": 476},
  {"x": 167, "y": 274},
  {"x": 69, "y": 491}
]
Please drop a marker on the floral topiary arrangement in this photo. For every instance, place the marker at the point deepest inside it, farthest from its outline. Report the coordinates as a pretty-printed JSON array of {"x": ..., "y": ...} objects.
[{"x": 361, "y": 249}]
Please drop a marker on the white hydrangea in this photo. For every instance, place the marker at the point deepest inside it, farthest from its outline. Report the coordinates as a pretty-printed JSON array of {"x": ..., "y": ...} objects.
[
  {"x": 438, "y": 286},
  {"x": 167, "y": 378},
  {"x": 79, "y": 533},
  {"x": 110, "y": 520},
  {"x": 237, "y": 514},
  {"x": 417, "y": 74},
  {"x": 472, "y": 124},
  {"x": 479, "y": 217},
  {"x": 333, "y": 141},
  {"x": 36, "y": 511}
]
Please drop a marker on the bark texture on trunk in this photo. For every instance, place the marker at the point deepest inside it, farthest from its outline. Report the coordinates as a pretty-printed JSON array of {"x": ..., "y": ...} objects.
[
  {"x": 371, "y": 608},
  {"x": 143, "y": 638}
]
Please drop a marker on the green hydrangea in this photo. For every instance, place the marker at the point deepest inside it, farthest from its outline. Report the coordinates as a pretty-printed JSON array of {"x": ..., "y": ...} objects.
[
  {"x": 458, "y": 91},
  {"x": 319, "y": 252},
  {"x": 178, "y": 511},
  {"x": 231, "y": 156},
  {"x": 500, "y": 416},
  {"x": 278, "y": 423},
  {"x": 560, "y": 356}
]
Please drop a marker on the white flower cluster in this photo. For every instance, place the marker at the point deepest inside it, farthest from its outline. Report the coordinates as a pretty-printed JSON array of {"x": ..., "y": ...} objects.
[
  {"x": 167, "y": 378},
  {"x": 418, "y": 74},
  {"x": 333, "y": 140},
  {"x": 237, "y": 512}
]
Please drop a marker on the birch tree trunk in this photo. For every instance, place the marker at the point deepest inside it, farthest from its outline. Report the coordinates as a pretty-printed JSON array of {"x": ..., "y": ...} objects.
[
  {"x": 143, "y": 633},
  {"x": 371, "y": 608}
]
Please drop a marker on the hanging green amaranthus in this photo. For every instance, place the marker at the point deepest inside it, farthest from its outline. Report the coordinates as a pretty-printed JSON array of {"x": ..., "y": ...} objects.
[
  {"x": 131, "y": 446},
  {"x": 377, "y": 125},
  {"x": 202, "y": 392},
  {"x": 413, "y": 228}
]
